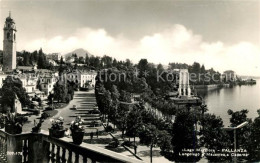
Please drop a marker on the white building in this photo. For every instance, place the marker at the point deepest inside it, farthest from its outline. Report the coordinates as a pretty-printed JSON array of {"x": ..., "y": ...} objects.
[
  {"x": 74, "y": 76},
  {"x": 29, "y": 82},
  {"x": 82, "y": 77},
  {"x": 47, "y": 82},
  {"x": 88, "y": 77},
  {"x": 53, "y": 62},
  {"x": 184, "y": 84}
]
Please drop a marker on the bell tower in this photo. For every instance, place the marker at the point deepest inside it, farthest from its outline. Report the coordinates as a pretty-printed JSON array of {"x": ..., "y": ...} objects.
[{"x": 9, "y": 48}]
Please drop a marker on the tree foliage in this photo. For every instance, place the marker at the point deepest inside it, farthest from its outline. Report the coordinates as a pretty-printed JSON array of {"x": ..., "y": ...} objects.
[
  {"x": 214, "y": 136},
  {"x": 13, "y": 87}
]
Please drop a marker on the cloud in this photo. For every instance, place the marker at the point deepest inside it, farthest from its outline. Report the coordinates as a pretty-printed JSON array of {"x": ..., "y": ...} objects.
[{"x": 176, "y": 44}]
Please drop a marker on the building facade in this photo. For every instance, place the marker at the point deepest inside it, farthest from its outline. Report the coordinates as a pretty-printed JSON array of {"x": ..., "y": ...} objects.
[
  {"x": 47, "y": 82},
  {"x": 9, "y": 45},
  {"x": 29, "y": 83},
  {"x": 83, "y": 78},
  {"x": 54, "y": 56}
]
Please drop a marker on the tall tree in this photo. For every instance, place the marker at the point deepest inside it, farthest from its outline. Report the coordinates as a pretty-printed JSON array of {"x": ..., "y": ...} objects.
[
  {"x": 134, "y": 122},
  {"x": 114, "y": 105},
  {"x": 60, "y": 91},
  {"x": 87, "y": 59},
  {"x": 142, "y": 67},
  {"x": 149, "y": 136},
  {"x": 184, "y": 135},
  {"x": 253, "y": 146},
  {"x": 123, "y": 110},
  {"x": 214, "y": 137}
]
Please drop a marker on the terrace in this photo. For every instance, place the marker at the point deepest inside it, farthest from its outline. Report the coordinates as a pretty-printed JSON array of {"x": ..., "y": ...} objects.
[{"x": 40, "y": 147}]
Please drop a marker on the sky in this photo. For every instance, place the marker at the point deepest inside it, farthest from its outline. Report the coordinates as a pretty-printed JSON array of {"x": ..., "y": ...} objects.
[{"x": 223, "y": 34}]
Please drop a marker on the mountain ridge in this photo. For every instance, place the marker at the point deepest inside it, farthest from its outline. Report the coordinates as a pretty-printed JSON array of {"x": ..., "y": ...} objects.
[{"x": 80, "y": 53}]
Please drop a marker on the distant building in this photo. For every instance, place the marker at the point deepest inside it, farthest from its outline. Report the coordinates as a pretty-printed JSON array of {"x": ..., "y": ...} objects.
[
  {"x": 27, "y": 69},
  {"x": 53, "y": 62},
  {"x": 9, "y": 48},
  {"x": 83, "y": 78},
  {"x": 88, "y": 77},
  {"x": 47, "y": 82},
  {"x": 229, "y": 76},
  {"x": 29, "y": 83},
  {"x": 70, "y": 59},
  {"x": 54, "y": 56}
]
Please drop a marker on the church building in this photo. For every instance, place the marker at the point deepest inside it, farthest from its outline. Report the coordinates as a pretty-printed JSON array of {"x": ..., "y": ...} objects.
[{"x": 9, "y": 48}]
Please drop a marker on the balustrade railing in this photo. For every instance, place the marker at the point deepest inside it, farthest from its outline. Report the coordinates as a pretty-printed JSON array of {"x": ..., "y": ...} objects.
[{"x": 40, "y": 147}]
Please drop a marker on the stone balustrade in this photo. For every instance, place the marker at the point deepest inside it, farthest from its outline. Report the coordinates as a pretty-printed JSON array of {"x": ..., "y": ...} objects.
[{"x": 41, "y": 148}]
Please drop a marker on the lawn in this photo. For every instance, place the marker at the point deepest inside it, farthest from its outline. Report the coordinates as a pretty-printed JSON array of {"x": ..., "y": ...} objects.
[{"x": 51, "y": 112}]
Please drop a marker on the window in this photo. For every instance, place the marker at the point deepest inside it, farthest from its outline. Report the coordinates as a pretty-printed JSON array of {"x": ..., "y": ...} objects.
[{"x": 8, "y": 35}]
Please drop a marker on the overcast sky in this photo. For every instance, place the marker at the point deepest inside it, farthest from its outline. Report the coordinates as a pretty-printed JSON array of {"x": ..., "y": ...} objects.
[{"x": 219, "y": 34}]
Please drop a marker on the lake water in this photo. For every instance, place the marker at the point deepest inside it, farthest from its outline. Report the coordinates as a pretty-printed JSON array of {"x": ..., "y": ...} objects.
[{"x": 236, "y": 98}]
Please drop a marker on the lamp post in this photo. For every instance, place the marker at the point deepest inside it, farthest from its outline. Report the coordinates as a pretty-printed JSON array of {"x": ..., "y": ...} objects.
[{"x": 235, "y": 135}]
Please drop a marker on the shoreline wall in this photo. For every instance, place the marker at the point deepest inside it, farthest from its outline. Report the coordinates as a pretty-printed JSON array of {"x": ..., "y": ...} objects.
[{"x": 210, "y": 87}]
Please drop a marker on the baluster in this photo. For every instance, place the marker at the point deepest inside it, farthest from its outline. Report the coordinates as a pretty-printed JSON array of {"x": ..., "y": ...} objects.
[
  {"x": 1, "y": 147},
  {"x": 76, "y": 158},
  {"x": 70, "y": 157},
  {"x": 58, "y": 154},
  {"x": 48, "y": 152},
  {"x": 63, "y": 157},
  {"x": 84, "y": 159},
  {"x": 52, "y": 153},
  {"x": 5, "y": 149},
  {"x": 93, "y": 161},
  {"x": 25, "y": 150}
]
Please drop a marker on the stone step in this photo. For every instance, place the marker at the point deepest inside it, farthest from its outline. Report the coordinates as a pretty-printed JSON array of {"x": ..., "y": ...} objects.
[
  {"x": 86, "y": 112},
  {"x": 89, "y": 102},
  {"x": 84, "y": 109},
  {"x": 89, "y": 122},
  {"x": 91, "y": 118},
  {"x": 86, "y": 115}
]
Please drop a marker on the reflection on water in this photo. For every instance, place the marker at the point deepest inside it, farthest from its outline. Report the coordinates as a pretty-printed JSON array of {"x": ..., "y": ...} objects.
[{"x": 236, "y": 98}]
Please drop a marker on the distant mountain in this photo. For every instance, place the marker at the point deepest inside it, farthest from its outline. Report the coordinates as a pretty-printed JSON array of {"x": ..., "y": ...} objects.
[{"x": 80, "y": 53}]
